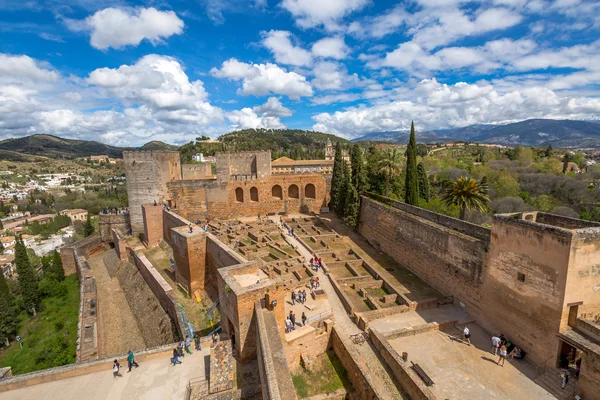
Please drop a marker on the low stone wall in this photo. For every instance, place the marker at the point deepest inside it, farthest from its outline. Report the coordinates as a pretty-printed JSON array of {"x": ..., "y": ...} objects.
[
  {"x": 345, "y": 300},
  {"x": 274, "y": 374},
  {"x": 161, "y": 289},
  {"x": 89, "y": 367},
  {"x": 120, "y": 244},
  {"x": 172, "y": 220},
  {"x": 409, "y": 380},
  {"x": 84, "y": 247},
  {"x": 88, "y": 328},
  {"x": 312, "y": 344},
  {"x": 364, "y": 318},
  {"x": 108, "y": 222}
]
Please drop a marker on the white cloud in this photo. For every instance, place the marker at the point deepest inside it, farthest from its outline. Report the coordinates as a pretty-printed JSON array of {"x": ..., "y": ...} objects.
[
  {"x": 434, "y": 105},
  {"x": 51, "y": 37},
  {"x": 120, "y": 27},
  {"x": 24, "y": 68},
  {"x": 273, "y": 108},
  {"x": 332, "y": 47},
  {"x": 280, "y": 44},
  {"x": 264, "y": 79},
  {"x": 246, "y": 118},
  {"x": 312, "y": 13},
  {"x": 331, "y": 75},
  {"x": 335, "y": 98}
]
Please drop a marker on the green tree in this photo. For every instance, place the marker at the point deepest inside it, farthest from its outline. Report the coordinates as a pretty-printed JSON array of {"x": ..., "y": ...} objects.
[
  {"x": 484, "y": 186},
  {"x": 566, "y": 160},
  {"x": 343, "y": 198},
  {"x": 411, "y": 193},
  {"x": 389, "y": 165},
  {"x": 466, "y": 194},
  {"x": 88, "y": 228},
  {"x": 352, "y": 206},
  {"x": 27, "y": 278},
  {"x": 57, "y": 266},
  {"x": 548, "y": 151},
  {"x": 8, "y": 325},
  {"x": 337, "y": 178},
  {"x": 423, "y": 182},
  {"x": 1, "y": 225},
  {"x": 357, "y": 162}
]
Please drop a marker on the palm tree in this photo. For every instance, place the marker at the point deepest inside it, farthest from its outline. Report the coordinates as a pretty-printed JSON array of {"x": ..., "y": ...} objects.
[
  {"x": 389, "y": 165},
  {"x": 467, "y": 194}
]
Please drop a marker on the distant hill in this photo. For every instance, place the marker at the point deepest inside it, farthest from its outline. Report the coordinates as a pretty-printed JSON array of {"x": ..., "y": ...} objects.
[
  {"x": 533, "y": 132},
  {"x": 56, "y": 147}
]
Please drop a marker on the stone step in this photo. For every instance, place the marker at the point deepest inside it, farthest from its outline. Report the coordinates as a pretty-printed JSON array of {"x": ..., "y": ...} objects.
[{"x": 551, "y": 381}]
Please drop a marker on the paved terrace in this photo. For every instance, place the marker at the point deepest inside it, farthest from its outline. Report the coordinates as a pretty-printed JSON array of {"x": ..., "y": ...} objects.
[{"x": 154, "y": 379}]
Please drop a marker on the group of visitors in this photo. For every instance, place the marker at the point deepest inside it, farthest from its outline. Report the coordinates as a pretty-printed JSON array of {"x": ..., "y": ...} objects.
[
  {"x": 300, "y": 297},
  {"x": 564, "y": 367},
  {"x": 130, "y": 363},
  {"x": 290, "y": 322},
  {"x": 314, "y": 283},
  {"x": 116, "y": 210},
  {"x": 502, "y": 347},
  {"x": 205, "y": 226},
  {"x": 316, "y": 263},
  {"x": 185, "y": 347}
]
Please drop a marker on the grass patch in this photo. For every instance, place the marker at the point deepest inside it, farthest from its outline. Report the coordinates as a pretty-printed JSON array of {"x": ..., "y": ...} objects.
[
  {"x": 376, "y": 291},
  {"x": 50, "y": 339},
  {"x": 327, "y": 376}
]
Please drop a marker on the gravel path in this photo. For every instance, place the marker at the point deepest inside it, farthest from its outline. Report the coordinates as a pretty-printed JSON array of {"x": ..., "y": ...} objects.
[
  {"x": 364, "y": 354},
  {"x": 119, "y": 331}
]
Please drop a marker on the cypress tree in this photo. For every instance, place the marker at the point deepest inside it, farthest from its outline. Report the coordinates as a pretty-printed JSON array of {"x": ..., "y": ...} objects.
[
  {"x": 566, "y": 160},
  {"x": 357, "y": 162},
  {"x": 27, "y": 280},
  {"x": 412, "y": 180},
  {"x": 352, "y": 207},
  {"x": 88, "y": 228},
  {"x": 423, "y": 182},
  {"x": 57, "y": 266},
  {"x": 337, "y": 178},
  {"x": 343, "y": 197},
  {"x": 8, "y": 326}
]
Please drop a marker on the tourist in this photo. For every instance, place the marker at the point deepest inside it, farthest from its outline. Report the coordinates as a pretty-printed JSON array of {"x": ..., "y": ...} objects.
[
  {"x": 188, "y": 344},
  {"x": 175, "y": 359},
  {"x": 516, "y": 353},
  {"x": 293, "y": 298},
  {"x": 311, "y": 263},
  {"x": 215, "y": 338},
  {"x": 312, "y": 284},
  {"x": 191, "y": 230},
  {"x": 288, "y": 325},
  {"x": 116, "y": 368},
  {"x": 577, "y": 368},
  {"x": 564, "y": 374},
  {"x": 131, "y": 361},
  {"x": 292, "y": 232},
  {"x": 293, "y": 318},
  {"x": 502, "y": 355},
  {"x": 180, "y": 349},
  {"x": 303, "y": 296},
  {"x": 317, "y": 284},
  {"x": 197, "y": 342},
  {"x": 495, "y": 344},
  {"x": 303, "y": 319},
  {"x": 467, "y": 335}
]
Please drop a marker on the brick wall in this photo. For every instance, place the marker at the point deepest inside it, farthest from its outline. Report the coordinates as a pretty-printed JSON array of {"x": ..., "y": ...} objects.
[
  {"x": 108, "y": 222},
  {"x": 189, "y": 253},
  {"x": 67, "y": 255},
  {"x": 152, "y": 216},
  {"x": 120, "y": 245},
  {"x": 312, "y": 344},
  {"x": 196, "y": 171},
  {"x": 172, "y": 220},
  {"x": 409, "y": 380},
  {"x": 217, "y": 256}
]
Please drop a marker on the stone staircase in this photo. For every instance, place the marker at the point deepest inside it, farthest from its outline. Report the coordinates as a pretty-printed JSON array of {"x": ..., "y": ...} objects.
[{"x": 551, "y": 381}]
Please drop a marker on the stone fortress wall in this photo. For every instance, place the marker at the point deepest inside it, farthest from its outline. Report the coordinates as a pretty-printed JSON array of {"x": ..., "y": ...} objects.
[{"x": 521, "y": 281}]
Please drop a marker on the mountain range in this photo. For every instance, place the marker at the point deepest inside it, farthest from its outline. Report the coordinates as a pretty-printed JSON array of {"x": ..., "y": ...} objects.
[{"x": 532, "y": 132}]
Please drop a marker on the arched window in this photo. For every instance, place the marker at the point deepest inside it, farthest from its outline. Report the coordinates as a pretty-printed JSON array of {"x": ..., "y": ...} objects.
[
  {"x": 293, "y": 192},
  {"x": 253, "y": 194},
  {"x": 239, "y": 195},
  {"x": 310, "y": 192},
  {"x": 276, "y": 192}
]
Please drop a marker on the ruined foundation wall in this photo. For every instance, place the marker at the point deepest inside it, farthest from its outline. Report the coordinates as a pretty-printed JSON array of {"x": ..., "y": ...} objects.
[
  {"x": 218, "y": 256},
  {"x": 108, "y": 222}
]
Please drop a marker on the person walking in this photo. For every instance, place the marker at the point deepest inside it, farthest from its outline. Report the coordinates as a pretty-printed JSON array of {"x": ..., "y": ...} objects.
[
  {"x": 175, "y": 359},
  {"x": 188, "y": 345},
  {"x": 288, "y": 325},
  {"x": 303, "y": 319},
  {"x": 503, "y": 354},
  {"x": 215, "y": 339},
  {"x": 131, "y": 361},
  {"x": 467, "y": 335},
  {"x": 495, "y": 344},
  {"x": 564, "y": 374},
  {"x": 197, "y": 342},
  {"x": 293, "y": 298},
  {"x": 116, "y": 368},
  {"x": 317, "y": 284},
  {"x": 293, "y": 322},
  {"x": 312, "y": 284}
]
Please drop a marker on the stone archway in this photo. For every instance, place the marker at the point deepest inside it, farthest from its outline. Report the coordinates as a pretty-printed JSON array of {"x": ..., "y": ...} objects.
[
  {"x": 310, "y": 192},
  {"x": 277, "y": 192},
  {"x": 253, "y": 194},
  {"x": 293, "y": 192},
  {"x": 239, "y": 195}
]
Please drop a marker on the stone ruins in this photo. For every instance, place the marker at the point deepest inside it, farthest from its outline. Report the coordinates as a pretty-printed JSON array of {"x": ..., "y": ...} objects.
[{"x": 393, "y": 299}]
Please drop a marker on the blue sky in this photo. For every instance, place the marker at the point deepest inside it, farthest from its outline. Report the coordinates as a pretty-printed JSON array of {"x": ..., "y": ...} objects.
[{"x": 129, "y": 72}]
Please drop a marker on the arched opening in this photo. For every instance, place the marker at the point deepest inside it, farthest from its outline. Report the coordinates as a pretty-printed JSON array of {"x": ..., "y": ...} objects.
[
  {"x": 310, "y": 191},
  {"x": 239, "y": 195},
  {"x": 253, "y": 194},
  {"x": 276, "y": 192},
  {"x": 293, "y": 192}
]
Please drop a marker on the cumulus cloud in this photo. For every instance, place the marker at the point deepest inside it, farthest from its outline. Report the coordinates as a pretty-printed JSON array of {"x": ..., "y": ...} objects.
[
  {"x": 22, "y": 68},
  {"x": 312, "y": 13},
  {"x": 264, "y": 79},
  {"x": 247, "y": 118},
  {"x": 273, "y": 108},
  {"x": 120, "y": 27},
  {"x": 331, "y": 75},
  {"x": 434, "y": 105},
  {"x": 284, "y": 51},
  {"x": 332, "y": 47}
]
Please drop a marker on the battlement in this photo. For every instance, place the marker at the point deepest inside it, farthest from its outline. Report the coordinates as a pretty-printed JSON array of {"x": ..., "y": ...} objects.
[{"x": 549, "y": 223}]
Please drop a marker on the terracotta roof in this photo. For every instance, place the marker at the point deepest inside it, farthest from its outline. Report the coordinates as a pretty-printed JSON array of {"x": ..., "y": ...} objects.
[
  {"x": 7, "y": 239},
  {"x": 289, "y": 161}
]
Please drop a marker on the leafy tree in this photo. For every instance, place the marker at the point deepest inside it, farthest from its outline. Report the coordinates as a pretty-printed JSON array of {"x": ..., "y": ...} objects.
[
  {"x": 357, "y": 162},
  {"x": 411, "y": 195},
  {"x": 389, "y": 165},
  {"x": 566, "y": 160},
  {"x": 57, "y": 266},
  {"x": 337, "y": 178},
  {"x": 88, "y": 228},
  {"x": 548, "y": 151},
  {"x": 8, "y": 325},
  {"x": 466, "y": 194},
  {"x": 484, "y": 185},
  {"x": 423, "y": 182},
  {"x": 27, "y": 278}
]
